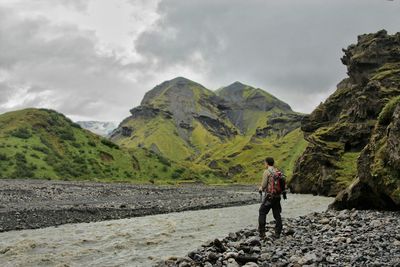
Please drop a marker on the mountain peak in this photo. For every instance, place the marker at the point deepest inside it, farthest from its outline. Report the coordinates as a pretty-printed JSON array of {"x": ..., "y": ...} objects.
[
  {"x": 181, "y": 79},
  {"x": 244, "y": 95},
  {"x": 237, "y": 86}
]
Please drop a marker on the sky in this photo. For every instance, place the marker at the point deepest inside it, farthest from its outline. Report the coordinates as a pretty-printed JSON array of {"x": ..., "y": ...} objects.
[{"x": 95, "y": 59}]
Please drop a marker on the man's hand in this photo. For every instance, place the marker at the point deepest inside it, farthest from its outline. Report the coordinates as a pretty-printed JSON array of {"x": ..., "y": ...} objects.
[
  {"x": 260, "y": 189},
  {"x": 284, "y": 195}
]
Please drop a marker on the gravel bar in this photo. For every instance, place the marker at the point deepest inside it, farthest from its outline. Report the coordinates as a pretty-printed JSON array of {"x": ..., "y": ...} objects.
[{"x": 30, "y": 204}]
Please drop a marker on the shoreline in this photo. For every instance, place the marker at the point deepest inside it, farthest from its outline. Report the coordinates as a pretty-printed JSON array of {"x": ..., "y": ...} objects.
[
  {"x": 330, "y": 238},
  {"x": 33, "y": 204}
]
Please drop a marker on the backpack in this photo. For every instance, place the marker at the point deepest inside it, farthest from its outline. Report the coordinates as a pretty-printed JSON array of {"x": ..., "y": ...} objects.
[{"x": 277, "y": 183}]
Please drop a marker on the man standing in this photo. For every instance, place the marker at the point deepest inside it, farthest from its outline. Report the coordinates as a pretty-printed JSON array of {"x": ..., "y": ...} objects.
[{"x": 273, "y": 186}]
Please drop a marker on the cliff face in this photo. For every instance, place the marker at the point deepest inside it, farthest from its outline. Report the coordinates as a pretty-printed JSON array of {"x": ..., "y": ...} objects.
[
  {"x": 248, "y": 105},
  {"x": 339, "y": 129},
  {"x": 378, "y": 183}
]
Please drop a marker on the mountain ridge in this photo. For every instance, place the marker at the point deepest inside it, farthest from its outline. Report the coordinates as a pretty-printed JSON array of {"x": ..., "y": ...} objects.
[{"x": 184, "y": 121}]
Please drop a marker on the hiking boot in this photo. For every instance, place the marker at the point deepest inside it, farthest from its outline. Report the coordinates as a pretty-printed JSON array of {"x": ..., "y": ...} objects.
[
  {"x": 261, "y": 235},
  {"x": 276, "y": 236}
]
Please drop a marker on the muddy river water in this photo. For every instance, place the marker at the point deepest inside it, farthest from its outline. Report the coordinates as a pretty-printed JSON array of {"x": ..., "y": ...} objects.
[{"x": 138, "y": 241}]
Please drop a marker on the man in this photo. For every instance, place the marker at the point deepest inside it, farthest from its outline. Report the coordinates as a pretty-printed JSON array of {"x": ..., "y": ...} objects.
[{"x": 272, "y": 198}]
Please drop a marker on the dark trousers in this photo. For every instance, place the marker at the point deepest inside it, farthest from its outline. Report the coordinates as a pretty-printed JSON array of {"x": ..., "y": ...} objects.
[{"x": 275, "y": 205}]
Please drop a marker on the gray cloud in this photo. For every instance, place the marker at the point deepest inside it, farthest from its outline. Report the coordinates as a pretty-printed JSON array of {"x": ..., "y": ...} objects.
[
  {"x": 290, "y": 48},
  {"x": 285, "y": 46}
]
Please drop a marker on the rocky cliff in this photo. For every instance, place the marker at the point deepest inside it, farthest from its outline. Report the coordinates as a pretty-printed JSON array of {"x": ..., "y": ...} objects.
[
  {"x": 377, "y": 184},
  {"x": 340, "y": 128}
]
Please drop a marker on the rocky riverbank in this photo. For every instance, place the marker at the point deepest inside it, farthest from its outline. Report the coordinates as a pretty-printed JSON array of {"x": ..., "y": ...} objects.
[
  {"x": 30, "y": 204},
  {"x": 332, "y": 238}
]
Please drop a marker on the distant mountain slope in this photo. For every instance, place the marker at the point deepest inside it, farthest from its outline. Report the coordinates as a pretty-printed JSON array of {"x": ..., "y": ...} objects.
[
  {"x": 210, "y": 131},
  {"x": 249, "y": 106},
  {"x": 101, "y": 128},
  {"x": 178, "y": 119},
  {"x": 40, "y": 143},
  {"x": 339, "y": 130}
]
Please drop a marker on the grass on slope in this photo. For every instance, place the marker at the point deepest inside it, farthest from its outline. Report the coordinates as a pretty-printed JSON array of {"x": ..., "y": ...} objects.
[
  {"x": 159, "y": 132},
  {"x": 45, "y": 144},
  {"x": 249, "y": 153},
  {"x": 347, "y": 168}
]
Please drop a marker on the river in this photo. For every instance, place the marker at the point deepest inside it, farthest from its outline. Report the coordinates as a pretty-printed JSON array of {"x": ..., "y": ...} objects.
[{"x": 138, "y": 241}]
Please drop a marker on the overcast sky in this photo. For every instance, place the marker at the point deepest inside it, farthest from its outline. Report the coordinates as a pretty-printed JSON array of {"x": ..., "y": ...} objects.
[{"x": 95, "y": 59}]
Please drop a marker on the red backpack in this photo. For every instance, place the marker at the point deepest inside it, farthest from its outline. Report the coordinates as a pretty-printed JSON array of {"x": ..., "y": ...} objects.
[{"x": 277, "y": 182}]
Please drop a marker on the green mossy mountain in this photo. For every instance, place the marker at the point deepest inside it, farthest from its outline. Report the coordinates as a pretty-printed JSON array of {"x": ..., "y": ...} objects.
[
  {"x": 44, "y": 144},
  {"x": 224, "y": 134},
  {"x": 340, "y": 131}
]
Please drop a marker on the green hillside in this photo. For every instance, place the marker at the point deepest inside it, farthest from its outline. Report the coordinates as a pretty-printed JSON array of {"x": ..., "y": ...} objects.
[
  {"x": 44, "y": 144},
  {"x": 214, "y": 136},
  {"x": 178, "y": 119}
]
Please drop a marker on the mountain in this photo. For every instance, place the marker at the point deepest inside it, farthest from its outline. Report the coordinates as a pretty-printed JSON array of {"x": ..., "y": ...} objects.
[
  {"x": 344, "y": 134},
  {"x": 98, "y": 127},
  {"x": 211, "y": 133},
  {"x": 41, "y": 143},
  {"x": 249, "y": 107},
  {"x": 177, "y": 119}
]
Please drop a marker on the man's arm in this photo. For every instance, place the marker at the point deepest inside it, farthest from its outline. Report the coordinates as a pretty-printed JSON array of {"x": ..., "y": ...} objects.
[{"x": 264, "y": 182}]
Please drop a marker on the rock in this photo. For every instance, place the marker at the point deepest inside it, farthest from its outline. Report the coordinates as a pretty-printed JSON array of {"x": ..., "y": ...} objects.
[
  {"x": 256, "y": 250},
  {"x": 289, "y": 231},
  {"x": 251, "y": 264},
  {"x": 126, "y": 131},
  {"x": 243, "y": 259},
  {"x": 324, "y": 221},
  {"x": 350, "y": 125},
  {"x": 294, "y": 259},
  {"x": 195, "y": 256},
  {"x": 376, "y": 223},
  {"x": 265, "y": 256},
  {"x": 229, "y": 255},
  {"x": 212, "y": 256},
  {"x": 232, "y": 263},
  {"x": 308, "y": 258},
  {"x": 219, "y": 246},
  {"x": 232, "y": 236},
  {"x": 235, "y": 170},
  {"x": 350, "y": 243},
  {"x": 253, "y": 241},
  {"x": 213, "y": 164},
  {"x": 184, "y": 264}
]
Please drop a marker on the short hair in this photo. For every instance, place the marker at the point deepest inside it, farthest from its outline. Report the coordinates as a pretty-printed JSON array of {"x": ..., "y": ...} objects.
[{"x": 270, "y": 161}]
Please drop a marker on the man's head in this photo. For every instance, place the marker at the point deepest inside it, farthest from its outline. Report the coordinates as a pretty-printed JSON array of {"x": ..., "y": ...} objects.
[{"x": 269, "y": 161}]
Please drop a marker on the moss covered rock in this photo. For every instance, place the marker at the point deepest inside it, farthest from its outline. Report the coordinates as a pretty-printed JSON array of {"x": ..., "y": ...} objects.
[
  {"x": 339, "y": 129},
  {"x": 378, "y": 179}
]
